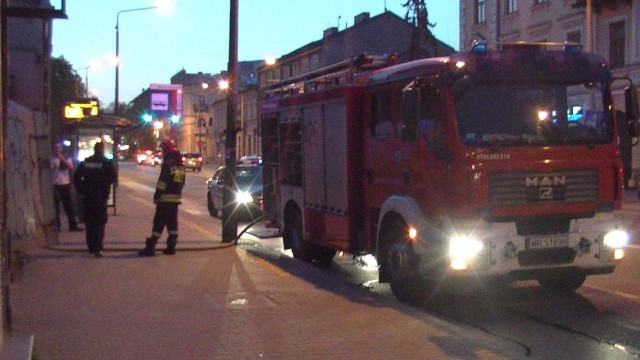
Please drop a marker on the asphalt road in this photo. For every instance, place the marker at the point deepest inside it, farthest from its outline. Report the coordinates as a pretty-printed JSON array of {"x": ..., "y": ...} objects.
[{"x": 604, "y": 313}]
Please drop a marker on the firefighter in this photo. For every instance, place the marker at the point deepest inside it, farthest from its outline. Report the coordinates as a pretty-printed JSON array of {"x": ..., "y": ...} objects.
[
  {"x": 167, "y": 197},
  {"x": 93, "y": 179}
]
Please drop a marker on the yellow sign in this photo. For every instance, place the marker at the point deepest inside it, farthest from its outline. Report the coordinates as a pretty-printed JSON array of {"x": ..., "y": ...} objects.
[{"x": 78, "y": 110}]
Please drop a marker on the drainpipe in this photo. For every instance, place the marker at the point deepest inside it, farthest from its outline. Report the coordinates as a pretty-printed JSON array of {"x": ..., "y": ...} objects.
[
  {"x": 589, "y": 25},
  {"x": 498, "y": 14}
]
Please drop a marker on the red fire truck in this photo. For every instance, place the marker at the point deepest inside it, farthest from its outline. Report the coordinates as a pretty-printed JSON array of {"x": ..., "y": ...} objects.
[{"x": 497, "y": 163}]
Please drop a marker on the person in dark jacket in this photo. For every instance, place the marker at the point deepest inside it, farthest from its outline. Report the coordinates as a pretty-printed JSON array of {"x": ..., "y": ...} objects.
[
  {"x": 167, "y": 197},
  {"x": 93, "y": 179}
]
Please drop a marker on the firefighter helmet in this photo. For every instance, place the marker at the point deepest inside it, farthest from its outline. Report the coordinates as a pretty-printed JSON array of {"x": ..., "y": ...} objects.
[{"x": 168, "y": 145}]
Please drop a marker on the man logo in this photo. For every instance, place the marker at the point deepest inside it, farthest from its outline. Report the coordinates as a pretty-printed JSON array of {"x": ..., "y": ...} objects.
[
  {"x": 540, "y": 181},
  {"x": 545, "y": 185}
]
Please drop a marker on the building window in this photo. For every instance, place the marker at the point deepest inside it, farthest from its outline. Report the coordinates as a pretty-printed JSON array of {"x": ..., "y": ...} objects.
[
  {"x": 480, "y": 12},
  {"x": 512, "y": 6},
  {"x": 286, "y": 72},
  {"x": 617, "y": 44},
  {"x": 574, "y": 36},
  {"x": 315, "y": 61},
  {"x": 294, "y": 69}
]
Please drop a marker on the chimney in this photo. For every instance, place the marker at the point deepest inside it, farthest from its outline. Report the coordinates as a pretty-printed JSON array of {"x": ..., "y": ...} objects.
[
  {"x": 360, "y": 18},
  {"x": 330, "y": 31}
]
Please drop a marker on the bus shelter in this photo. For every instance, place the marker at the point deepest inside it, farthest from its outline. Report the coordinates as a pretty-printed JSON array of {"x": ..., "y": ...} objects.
[{"x": 85, "y": 132}]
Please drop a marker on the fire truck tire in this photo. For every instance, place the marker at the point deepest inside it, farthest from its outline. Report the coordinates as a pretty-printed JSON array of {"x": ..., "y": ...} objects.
[
  {"x": 322, "y": 256},
  {"x": 211, "y": 207},
  {"x": 402, "y": 265},
  {"x": 292, "y": 235},
  {"x": 564, "y": 284},
  {"x": 304, "y": 250}
]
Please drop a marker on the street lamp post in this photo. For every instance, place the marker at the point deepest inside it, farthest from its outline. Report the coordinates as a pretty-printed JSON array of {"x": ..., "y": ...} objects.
[
  {"x": 229, "y": 223},
  {"x": 116, "y": 105},
  {"x": 86, "y": 80}
]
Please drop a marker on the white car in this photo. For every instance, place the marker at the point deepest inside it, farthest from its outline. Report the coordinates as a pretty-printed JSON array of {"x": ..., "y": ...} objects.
[{"x": 248, "y": 199}]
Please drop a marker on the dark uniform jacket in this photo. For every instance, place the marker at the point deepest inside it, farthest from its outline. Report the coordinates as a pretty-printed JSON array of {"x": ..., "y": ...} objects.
[
  {"x": 171, "y": 180},
  {"x": 93, "y": 178}
]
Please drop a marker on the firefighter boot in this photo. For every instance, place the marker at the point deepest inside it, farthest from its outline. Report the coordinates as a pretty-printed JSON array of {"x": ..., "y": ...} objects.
[
  {"x": 172, "y": 240},
  {"x": 149, "y": 248}
]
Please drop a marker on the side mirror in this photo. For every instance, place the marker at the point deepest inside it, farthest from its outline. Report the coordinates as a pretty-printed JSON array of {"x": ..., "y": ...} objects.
[{"x": 632, "y": 111}]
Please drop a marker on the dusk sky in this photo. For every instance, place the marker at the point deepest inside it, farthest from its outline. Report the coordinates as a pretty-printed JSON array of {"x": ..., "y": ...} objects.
[{"x": 194, "y": 35}]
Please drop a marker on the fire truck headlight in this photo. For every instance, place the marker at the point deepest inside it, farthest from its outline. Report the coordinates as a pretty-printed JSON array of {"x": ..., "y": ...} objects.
[
  {"x": 616, "y": 239},
  {"x": 243, "y": 197},
  {"x": 464, "y": 247}
]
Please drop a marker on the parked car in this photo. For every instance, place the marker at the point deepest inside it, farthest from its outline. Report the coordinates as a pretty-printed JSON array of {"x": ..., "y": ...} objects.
[
  {"x": 145, "y": 157},
  {"x": 192, "y": 161},
  {"x": 248, "y": 199},
  {"x": 157, "y": 158}
]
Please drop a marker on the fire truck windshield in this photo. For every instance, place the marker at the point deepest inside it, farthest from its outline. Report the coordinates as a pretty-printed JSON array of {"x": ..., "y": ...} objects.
[{"x": 533, "y": 114}]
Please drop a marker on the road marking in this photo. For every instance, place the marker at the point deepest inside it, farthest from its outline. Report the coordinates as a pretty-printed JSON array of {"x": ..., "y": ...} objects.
[{"x": 614, "y": 292}]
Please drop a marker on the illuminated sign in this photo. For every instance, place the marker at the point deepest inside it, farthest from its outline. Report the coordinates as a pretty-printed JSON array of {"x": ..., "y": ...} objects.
[
  {"x": 165, "y": 100},
  {"x": 159, "y": 102},
  {"x": 79, "y": 110}
]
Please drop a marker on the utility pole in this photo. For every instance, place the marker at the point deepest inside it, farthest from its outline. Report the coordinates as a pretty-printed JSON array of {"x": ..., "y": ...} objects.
[{"x": 229, "y": 223}]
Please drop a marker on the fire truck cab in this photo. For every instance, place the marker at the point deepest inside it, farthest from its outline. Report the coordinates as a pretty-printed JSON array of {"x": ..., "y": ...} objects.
[{"x": 488, "y": 164}]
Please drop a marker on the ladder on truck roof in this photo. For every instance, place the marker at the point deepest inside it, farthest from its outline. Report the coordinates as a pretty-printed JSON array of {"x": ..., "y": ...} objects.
[{"x": 343, "y": 72}]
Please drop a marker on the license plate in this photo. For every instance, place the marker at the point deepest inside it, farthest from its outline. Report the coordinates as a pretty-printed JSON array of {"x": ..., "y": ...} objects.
[{"x": 547, "y": 242}]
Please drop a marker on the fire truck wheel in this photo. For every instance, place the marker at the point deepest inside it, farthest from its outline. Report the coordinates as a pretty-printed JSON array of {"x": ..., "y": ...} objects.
[
  {"x": 304, "y": 250},
  {"x": 322, "y": 256},
  {"x": 211, "y": 207},
  {"x": 564, "y": 284},
  {"x": 402, "y": 266},
  {"x": 292, "y": 235}
]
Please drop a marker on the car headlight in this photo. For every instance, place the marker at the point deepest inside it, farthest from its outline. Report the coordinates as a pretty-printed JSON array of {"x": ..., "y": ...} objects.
[
  {"x": 243, "y": 197},
  {"x": 616, "y": 239}
]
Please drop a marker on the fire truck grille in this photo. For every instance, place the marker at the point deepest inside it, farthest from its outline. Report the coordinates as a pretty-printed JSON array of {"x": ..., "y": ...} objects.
[
  {"x": 521, "y": 188},
  {"x": 546, "y": 257}
]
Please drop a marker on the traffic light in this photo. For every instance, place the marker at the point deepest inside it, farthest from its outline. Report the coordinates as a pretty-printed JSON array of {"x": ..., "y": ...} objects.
[
  {"x": 174, "y": 119},
  {"x": 147, "y": 117}
]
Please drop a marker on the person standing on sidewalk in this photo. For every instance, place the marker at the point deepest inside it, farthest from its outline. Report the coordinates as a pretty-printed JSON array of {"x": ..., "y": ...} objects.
[
  {"x": 93, "y": 180},
  {"x": 167, "y": 197},
  {"x": 61, "y": 167}
]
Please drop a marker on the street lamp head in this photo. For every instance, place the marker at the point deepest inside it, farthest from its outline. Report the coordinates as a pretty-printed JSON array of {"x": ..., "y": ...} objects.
[
  {"x": 164, "y": 6},
  {"x": 204, "y": 86},
  {"x": 223, "y": 84},
  {"x": 269, "y": 60}
]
